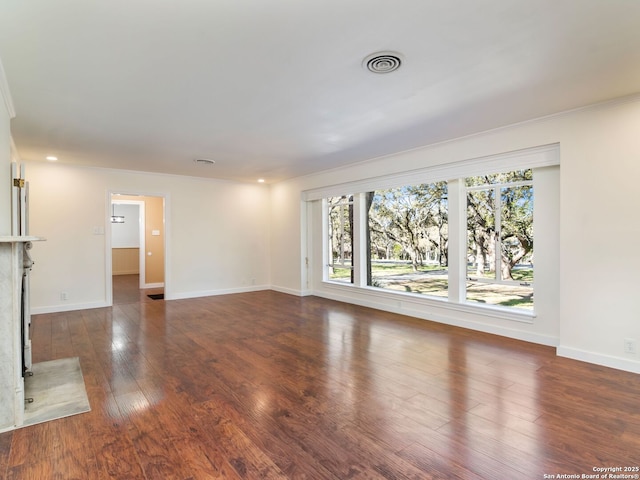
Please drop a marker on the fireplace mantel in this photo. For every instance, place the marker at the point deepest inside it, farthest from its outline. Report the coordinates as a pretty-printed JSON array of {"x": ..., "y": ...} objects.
[{"x": 19, "y": 238}]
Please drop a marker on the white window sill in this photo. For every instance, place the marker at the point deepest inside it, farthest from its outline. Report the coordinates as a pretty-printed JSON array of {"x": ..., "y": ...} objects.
[{"x": 493, "y": 311}]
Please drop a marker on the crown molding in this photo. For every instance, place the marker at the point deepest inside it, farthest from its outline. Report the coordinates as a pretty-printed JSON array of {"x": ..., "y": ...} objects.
[
  {"x": 5, "y": 94},
  {"x": 533, "y": 157}
]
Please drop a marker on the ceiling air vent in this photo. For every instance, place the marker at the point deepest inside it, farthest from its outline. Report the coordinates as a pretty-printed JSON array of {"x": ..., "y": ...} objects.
[
  {"x": 383, "y": 62},
  {"x": 204, "y": 161}
]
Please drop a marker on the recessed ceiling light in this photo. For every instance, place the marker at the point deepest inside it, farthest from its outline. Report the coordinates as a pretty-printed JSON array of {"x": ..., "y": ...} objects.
[
  {"x": 261, "y": 180},
  {"x": 204, "y": 161},
  {"x": 51, "y": 158},
  {"x": 382, "y": 62}
]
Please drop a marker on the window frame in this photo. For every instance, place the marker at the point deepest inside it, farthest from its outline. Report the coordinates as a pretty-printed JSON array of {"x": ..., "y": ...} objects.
[
  {"x": 328, "y": 262},
  {"x": 529, "y": 158},
  {"x": 497, "y": 188},
  {"x": 408, "y": 199}
]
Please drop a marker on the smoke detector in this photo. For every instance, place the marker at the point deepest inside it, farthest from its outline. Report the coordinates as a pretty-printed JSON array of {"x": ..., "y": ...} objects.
[{"x": 382, "y": 62}]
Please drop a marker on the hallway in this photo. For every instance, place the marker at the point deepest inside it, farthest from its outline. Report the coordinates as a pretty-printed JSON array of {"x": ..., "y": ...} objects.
[{"x": 126, "y": 289}]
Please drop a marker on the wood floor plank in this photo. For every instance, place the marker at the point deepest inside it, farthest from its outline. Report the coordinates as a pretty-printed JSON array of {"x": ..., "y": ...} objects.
[
  {"x": 116, "y": 457},
  {"x": 67, "y": 465},
  {"x": 267, "y": 434},
  {"x": 5, "y": 450},
  {"x": 267, "y": 385}
]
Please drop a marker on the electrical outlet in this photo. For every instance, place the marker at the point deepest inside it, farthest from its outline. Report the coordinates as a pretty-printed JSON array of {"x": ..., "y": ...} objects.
[
  {"x": 630, "y": 346},
  {"x": 64, "y": 296}
]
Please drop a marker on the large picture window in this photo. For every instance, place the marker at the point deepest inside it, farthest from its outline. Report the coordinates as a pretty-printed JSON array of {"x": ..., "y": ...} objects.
[
  {"x": 407, "y": 239},
  {"x": 459, "y": 234},
  {"x": 500, "y": 239}
]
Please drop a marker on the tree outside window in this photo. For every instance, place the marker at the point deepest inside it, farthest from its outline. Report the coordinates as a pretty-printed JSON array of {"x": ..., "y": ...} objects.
[
  {"x": 500, "y": 239},
  {"x": 406, "y": 239},
  {"x": 340, "y": 238}
]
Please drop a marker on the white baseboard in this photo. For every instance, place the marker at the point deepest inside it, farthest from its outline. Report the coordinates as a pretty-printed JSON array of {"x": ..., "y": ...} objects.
[
  {"x": 211, "y": 293},
  {"x": 291, "y": 291},
  {"x": 172, "y": 296},
  {"x": 154, "y": 285},
  {"x": 610, "y": 361},
  {"x": 67, "y": 307}
]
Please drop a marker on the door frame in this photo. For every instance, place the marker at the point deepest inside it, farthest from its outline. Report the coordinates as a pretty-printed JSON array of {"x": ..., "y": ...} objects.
[{"x": 108, "y": 255}]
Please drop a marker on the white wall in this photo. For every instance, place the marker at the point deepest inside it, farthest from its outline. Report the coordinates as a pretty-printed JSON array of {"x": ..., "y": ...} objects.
[
  {"x": 127, "y": 234},
  {"x": 5, "y": 172},
  {"x": 287, "y": 242},
  {"x": 217, "y": 234},
  {"x": 596, "y": 305},
  {"x": 600, "y": 236}
]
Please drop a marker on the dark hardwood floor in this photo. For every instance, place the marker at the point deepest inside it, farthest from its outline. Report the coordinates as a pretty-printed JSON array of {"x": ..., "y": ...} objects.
[
  {"x": 126, "y": 290},
  {"x": 267, "y": 385}
]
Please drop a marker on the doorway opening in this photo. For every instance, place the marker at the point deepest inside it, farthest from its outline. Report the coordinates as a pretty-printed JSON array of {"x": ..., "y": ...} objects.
[{"x": 136, "y": 250}]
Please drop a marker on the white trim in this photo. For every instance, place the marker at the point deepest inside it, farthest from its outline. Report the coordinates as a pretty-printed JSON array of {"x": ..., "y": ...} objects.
[
  {"x": 146, "y": 173},
  {"x": 15, "y": 200},
  {"x": 68, "y": 308},
  {"x": 212, "y": 293},
  {"x": 15, "y": 155},
  {"x": 153, "y": 285},
  {"x": 108, "y": 255},
  {"x": 5, "y": 93},
  {"x": 108, "y": 258},
  {"x": 142, "y": 238},
  {"x": 535, "y": 157},
  {"x": 445, "y": 319},
  {"x": 420, "y": 300},
  {"x": 610, "y": 361},
  {"x": 324, "y": 227},
  {"x": 306, "y": 245},
  {"x": 291, "y": 291}
]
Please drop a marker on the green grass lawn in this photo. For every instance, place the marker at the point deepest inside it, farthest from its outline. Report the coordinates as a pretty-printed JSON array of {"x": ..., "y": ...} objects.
[
  {"x": 385, "y": 269},
  {"x": 518, "y": 274},
  {"x": 380, "y": 269}
]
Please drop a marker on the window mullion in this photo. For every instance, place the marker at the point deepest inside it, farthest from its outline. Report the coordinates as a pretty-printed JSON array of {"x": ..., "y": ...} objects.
[
  {"x": 457, "y": 241},
  {"x": 359, "y": 260},
  {"x": 341, "y": 223},
  {"x": 497, "y": 215}
]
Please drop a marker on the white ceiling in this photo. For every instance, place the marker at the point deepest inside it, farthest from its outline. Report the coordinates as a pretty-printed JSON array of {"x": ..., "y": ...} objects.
[{"x": 276, "y": 88}]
